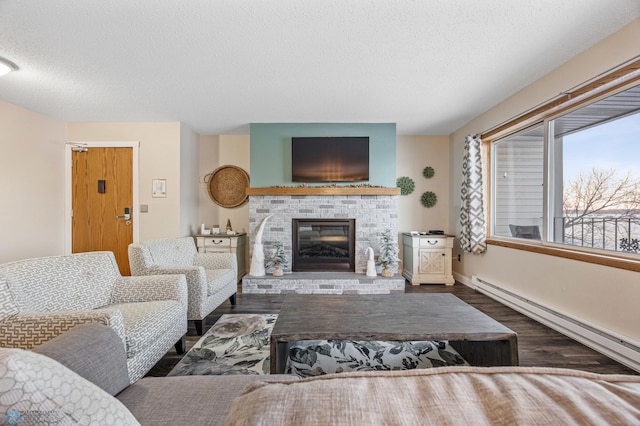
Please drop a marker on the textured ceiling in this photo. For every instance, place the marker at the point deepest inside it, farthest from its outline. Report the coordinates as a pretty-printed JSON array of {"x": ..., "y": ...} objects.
[{"x": 428, "y": 65}]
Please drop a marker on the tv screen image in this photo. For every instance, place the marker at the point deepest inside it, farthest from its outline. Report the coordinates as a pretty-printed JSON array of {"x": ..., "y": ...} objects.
[{"x": 330, "y": 159}]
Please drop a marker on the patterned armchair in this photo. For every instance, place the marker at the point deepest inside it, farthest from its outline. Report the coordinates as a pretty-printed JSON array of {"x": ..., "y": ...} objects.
[
  {"x": 211, "y": 277},
  {"x": 43, "y": 297}
]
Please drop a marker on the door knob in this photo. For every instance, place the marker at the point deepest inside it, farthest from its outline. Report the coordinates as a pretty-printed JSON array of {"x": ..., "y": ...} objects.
[{"x": 126, "y": 215}]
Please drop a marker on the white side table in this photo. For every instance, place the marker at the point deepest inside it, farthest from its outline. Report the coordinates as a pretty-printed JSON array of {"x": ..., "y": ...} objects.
[
  {"x": 223, "y": 243},
  {"x": 427, "y": 259}
]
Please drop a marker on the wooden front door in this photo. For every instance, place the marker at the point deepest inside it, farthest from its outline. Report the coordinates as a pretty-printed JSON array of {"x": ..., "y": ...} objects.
[{"x": 102, "y": 196}]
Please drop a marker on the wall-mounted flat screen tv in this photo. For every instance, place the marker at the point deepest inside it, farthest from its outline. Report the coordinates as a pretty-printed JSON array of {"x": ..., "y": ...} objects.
[{"x": 330, "y": 159}]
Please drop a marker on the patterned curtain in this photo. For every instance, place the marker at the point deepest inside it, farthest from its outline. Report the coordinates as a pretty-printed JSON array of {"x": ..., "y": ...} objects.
[{"x": 473, "y": 234}]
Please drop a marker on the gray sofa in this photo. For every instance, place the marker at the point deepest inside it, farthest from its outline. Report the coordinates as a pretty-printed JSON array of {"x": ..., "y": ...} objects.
[
  {"x": 41, "y": 298},
  {"x": 211, "y": 277},
  {"x": 81, "y": 377}
]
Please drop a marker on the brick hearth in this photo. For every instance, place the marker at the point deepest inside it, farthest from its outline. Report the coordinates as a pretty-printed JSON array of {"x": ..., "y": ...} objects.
[{"x": 323, "y": 283}]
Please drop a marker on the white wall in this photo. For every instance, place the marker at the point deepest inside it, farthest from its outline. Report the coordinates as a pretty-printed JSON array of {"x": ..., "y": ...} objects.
[
  {"x": 604, "y": 296},
  {"x": 161, "y": 144},
  {"x": 413, "y": 154},
  {"x": 189, "y": 197},
  {"x": 208, "y": 162},
  {"x": 159, "y": 159},
  {"x": 31, "y": 184},
  {"x": 216, "y": 151}
]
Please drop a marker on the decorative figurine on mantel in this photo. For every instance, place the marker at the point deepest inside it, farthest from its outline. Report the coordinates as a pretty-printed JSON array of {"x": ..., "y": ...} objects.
[
  {"x": 388, "y": 257},
  {"x": 371, "y": 264},
  {"x": 278, "y": 259},
  {"x": 257, "y": 257}
]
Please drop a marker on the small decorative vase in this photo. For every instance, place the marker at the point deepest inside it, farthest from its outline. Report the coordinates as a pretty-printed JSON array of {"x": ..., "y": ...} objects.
[
  {"x": 387, "y": 273},
  {"x": 277, "y": 271}
]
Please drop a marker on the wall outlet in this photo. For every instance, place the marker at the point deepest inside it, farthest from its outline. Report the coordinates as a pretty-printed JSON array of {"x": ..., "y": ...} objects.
[{"x": 459, "y": 258}]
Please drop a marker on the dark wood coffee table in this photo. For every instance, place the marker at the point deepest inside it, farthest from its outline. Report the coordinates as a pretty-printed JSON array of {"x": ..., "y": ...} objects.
[{"x": 480, "y": 340}]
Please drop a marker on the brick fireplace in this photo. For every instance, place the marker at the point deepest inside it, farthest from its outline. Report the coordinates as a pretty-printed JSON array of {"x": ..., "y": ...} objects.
[{"x": 372, "y": 213}]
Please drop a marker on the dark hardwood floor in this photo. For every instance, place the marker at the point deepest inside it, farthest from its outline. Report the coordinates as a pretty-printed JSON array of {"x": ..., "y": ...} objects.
[{"x": 538, "y": 345}]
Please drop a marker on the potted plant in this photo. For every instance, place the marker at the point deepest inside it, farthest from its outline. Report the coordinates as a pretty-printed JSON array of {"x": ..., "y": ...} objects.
[
  {"x": 388, "y": 257},
  {"x": 277, "y": 259}
]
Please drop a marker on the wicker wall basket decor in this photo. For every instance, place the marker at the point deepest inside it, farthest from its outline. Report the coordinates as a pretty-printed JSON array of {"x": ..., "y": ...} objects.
[{"x": 228, "y": 185}]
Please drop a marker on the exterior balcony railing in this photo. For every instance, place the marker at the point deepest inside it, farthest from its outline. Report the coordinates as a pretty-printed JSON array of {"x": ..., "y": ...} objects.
[{"x": 603, "y": 232}]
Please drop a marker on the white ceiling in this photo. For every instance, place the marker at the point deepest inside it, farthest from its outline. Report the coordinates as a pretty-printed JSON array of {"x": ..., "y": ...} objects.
[{"x": 428, "y": 65}]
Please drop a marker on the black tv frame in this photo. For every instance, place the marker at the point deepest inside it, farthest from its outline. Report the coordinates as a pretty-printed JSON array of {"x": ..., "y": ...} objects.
[{"x": 330, "y": 159}]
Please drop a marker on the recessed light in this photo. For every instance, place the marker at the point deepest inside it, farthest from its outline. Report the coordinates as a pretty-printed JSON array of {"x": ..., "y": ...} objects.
[{"x": 7, "y": 66}]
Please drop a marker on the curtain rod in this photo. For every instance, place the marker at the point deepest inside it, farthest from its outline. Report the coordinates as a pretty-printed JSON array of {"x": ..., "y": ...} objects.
[{"x": 564, "y": 93}]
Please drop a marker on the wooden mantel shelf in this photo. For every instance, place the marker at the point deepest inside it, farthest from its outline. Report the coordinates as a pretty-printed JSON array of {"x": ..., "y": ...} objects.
[{"x": 320, "y": 190}]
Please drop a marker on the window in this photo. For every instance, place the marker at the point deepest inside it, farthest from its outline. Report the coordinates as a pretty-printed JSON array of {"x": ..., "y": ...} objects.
[
  {"x": 590, "y": 157},
  {"x": 518, "y": 175}
]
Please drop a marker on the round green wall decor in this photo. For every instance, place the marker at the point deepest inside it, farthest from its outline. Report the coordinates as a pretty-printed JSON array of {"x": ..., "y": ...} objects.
[
  {"x": 429, "y": 199},
  {"x": 406, "y": 185},
  {"x": 428, "y": 172}
]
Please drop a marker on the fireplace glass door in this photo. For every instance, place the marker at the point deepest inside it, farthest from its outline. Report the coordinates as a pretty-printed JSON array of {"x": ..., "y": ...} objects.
[{"x": 323, "y": 245}]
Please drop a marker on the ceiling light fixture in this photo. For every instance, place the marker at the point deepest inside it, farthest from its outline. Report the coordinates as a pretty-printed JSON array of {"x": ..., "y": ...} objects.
[{"x": 7, "y": 66}]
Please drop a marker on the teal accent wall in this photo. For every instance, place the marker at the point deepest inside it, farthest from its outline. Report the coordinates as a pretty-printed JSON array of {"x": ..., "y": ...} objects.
[{"x": 270, "y": 150}]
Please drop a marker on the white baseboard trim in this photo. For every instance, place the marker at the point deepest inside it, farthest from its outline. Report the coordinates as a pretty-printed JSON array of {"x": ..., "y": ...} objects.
[
  {"x": 622, "y": 349},
  {"x": 462, "y": 279}
]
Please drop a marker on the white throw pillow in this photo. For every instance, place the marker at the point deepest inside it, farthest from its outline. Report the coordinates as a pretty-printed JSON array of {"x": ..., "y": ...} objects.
[{"x": 35, "y": 389}]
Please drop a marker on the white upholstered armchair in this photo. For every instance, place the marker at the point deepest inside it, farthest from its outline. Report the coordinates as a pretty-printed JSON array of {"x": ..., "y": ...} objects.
[
  {"x": 211, "y": 277},
  {"x": 42, "y": 298}
]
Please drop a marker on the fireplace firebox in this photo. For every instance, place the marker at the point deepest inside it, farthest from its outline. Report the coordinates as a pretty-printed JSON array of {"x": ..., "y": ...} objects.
[{"x": 323, "y": 245}]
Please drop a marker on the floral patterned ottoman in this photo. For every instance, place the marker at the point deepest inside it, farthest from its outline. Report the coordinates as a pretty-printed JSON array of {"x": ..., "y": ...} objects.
[{"x": 317, "y": 357}]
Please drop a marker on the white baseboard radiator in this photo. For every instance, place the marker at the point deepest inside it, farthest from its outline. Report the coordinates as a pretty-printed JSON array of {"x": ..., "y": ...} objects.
[{"x": 620, "y": 348}]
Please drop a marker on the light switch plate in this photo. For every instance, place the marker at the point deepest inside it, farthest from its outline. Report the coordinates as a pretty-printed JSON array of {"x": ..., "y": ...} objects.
[{"x": 144, "y": 208}]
